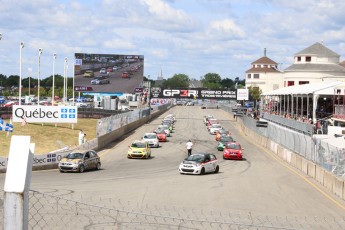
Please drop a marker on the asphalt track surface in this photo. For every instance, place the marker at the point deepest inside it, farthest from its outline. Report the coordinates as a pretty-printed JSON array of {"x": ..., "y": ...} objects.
[{"x": 260, "y": 184}]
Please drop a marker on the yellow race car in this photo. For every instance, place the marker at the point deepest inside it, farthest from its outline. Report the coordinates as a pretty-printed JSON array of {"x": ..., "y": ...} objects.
[{"x": 139, "y": 149}]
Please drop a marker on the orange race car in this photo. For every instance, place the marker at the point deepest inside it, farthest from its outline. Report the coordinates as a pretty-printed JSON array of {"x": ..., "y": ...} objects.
[{"x": 222, "y": 132}]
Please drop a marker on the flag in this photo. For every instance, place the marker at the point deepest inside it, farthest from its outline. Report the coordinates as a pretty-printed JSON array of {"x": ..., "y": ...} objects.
[{"x": 23, "y": 120}]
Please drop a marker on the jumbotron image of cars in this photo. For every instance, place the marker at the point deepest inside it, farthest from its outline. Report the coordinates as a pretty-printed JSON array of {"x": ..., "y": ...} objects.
[
  {"x": 222, "y": 142},
  {"x": 162, "y": 136},
  {"x": 199, "y": 163},
  {"x": 233, "y": 150},
  {"x": 139, "y": 149},
  {"x": 79, "y": 161}
]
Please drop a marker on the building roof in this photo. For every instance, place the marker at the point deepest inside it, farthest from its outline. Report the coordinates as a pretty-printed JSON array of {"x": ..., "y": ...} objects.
[
  {"x": 342, "y": 64},
  {"x": 317, "y": 49},
  {"x": 320, "y": 88},
  {"x": 310, "y": 67},
  {"x": 262, "y": 70},
  {"x": 265, "y": 60}
]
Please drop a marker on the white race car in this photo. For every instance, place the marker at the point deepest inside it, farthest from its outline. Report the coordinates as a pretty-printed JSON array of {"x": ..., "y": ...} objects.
[
  {"x": 199, "y": 163},
  {"x": 214, "y": 128},
  {"x": 151, "y": 139}
]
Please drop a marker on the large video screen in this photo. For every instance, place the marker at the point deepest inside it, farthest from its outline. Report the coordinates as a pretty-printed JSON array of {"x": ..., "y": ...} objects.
[{"x": 108, "y": 73}]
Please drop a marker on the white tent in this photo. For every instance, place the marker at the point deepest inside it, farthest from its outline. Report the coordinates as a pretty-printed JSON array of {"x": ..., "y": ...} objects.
[{"x": 313, "y": 91}]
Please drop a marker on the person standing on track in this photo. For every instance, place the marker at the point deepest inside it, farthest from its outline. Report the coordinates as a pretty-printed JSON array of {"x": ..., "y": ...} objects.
[{"x": 189, "y": 147}]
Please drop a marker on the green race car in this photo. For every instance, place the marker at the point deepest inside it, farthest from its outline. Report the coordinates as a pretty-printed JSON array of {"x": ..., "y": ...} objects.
[{"x": 222, "y": 142}]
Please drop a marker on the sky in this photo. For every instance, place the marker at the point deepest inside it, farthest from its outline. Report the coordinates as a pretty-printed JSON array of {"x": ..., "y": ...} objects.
[{"x": 192, "y": 37}]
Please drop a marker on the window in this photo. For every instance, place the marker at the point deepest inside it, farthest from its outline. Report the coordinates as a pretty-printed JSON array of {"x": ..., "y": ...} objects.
[
  {"x": 298, "y": 58},
  {"x": 291, "y": 83},
  {"x": 249, "y": 76},
  {"x": 308, "y": 59},
  {"x": 303, "y": 82},
  {"x": 256, "y": 75}
]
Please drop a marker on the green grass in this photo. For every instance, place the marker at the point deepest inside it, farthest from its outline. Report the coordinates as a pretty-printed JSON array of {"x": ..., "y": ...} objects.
[{"x": 48, "y": 137}]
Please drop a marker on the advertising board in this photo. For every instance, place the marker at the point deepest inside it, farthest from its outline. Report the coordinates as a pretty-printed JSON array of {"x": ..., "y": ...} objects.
[
  {"x": 45, "y": 114},
  {"x": 108, "y": 73},
  {"x": 193, "y": 93}
]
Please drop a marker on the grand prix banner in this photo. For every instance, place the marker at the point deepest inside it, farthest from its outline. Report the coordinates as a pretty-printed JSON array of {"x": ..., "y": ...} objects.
[{"x": 193, "y": 93}]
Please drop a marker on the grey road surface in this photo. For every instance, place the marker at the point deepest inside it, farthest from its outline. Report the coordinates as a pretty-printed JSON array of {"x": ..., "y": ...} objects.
[{"x": 260, "y": 184}]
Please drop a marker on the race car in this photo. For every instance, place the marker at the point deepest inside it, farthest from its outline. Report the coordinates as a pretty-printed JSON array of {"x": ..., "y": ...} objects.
[
  {"x": 162, "y": 136},
  {"x": 222, "y": 142},
  {"x": 165, "y": 128},
  {"x": 214, "y": 128},
  {"x": 233, "y": 150},
  {"x": 79, "y": 161},
  {"x": 139, "y": 149},
  {"x": 151, "y": 139},
  {"x": 222, "y": 132},
  {"x": 199, "y": 163}
]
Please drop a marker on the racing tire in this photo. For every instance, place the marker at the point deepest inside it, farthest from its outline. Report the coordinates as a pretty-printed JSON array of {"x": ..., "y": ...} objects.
[
  {"x": 81, "y": 168},
  {"x": 217, "y": 169},
  {"x": 61, "y": 171},
  {"x": 202, "y": 172},
  {"x": 98, "y": 166}
]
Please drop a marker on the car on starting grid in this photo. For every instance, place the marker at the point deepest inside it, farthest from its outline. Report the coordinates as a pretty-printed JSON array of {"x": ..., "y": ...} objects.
[
  {"x": 79, "y": 161},
  {"x": 199, "y": 163}
]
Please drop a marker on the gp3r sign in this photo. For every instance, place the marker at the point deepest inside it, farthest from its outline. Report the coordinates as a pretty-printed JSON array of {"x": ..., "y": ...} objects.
[{"x": 45, "y": 114}]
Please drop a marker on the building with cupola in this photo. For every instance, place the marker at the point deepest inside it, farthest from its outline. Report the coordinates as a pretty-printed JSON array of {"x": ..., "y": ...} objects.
[
  {"x": 264, "y": 74},
  {"x": 314, "y": 64}
]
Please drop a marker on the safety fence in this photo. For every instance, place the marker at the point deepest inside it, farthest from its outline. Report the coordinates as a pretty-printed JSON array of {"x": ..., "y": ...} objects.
[
  {"x": 53, "y": 211},
  {"x": 328, "y": 156}
]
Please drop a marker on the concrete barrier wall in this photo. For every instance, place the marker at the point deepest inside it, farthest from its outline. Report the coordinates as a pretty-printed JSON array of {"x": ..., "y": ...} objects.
[{"x": 325, "y": 178}]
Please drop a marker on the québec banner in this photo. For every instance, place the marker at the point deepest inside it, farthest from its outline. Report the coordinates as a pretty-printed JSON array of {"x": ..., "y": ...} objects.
[{"x": 193, "y": 93}]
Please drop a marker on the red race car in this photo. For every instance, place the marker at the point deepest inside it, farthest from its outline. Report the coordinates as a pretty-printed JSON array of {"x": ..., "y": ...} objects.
[
  {"x": 162, "y": 136},
  {"x": 233, "y": 150}
]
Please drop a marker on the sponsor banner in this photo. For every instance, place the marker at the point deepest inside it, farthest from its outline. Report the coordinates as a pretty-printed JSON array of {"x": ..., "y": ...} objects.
[
  {"x": 83, "y": 88},
  {"x": 45, "y": 114},
  {"x": 38, "y": 160},
  {"x": 242, "y": 94},
  {"x": 193, "y": 93},
  {"x": 138, "y": 90}
]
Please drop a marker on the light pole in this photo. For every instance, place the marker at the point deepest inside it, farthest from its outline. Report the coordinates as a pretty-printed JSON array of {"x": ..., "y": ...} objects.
[
  {"x": 40, "y": 50},
  {"x": 53, "y": 96},
  {"x": 65, "y": 81},
  {"x": 20, "y": 72}
]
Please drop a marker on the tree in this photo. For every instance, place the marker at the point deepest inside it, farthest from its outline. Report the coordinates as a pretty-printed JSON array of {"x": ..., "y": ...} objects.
[
  {"x": 211, "y": 81},
  {"x": 228, "y": 83},
  {"x": 177, "y": 81},
  {"x": 254, "y": 93}
]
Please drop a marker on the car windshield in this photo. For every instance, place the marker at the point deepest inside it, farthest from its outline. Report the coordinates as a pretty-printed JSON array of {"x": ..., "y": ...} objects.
[
  {"x": 233, "y": 146},
  {"x": 163, "y": 127},
  {"x": 138, "y": 145},
  {"x": 74, "y": 156},
  {"x": 161, "y": 131},
  {"x": 223, "y": 131},
  {"x": 226, "y": 139},
  {"x": 196, "y": 157},
  {"x": 150, "y": 136},
  {"x": 216, "y": 126}
]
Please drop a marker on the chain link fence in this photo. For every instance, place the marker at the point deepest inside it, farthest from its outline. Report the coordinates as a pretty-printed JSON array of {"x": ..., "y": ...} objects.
[{"x": 49, "y": 211}]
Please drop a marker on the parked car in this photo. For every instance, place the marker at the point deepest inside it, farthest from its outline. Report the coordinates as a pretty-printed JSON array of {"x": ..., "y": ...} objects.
[
  {"x": 222, "y": 142},
  {"x": 162, "y": 136},
  {"x": 79, "y": 161},
  {"x": 110, "y": 69},
  {"x": 100, "y": 80},
  {"x": 215, "y": 128},
  {"x": 89, "y": 73},
  {"x": 199, "y": 163}
]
